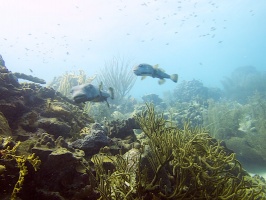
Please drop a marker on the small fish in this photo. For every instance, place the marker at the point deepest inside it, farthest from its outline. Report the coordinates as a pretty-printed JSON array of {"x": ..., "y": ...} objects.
[
  {"x": 153, "y": 71},
  {"x": 88, "y": 92}
]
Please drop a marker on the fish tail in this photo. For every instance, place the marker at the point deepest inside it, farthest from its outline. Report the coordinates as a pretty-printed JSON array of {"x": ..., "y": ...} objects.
[
  {"x": 143, "y": 77},
  {"x": 111, "y": 92},
  {"x": 108, "y": 105},
  {"x": 174, "y": 77}
]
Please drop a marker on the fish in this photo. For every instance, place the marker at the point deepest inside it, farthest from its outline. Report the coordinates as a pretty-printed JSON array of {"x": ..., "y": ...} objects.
[
  {"x": 153, "y": 71},
  {"x": 89, "y": 92}
]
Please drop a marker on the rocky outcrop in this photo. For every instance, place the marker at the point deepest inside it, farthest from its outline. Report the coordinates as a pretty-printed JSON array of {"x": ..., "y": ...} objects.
[
  {"x": 93, "y": 141},
  {"x": 122, "y": 128},
  {"x": 29, "y": 107}
]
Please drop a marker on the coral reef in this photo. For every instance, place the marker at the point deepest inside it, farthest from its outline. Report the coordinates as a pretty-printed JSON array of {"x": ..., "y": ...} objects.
[
  {"x": 152, "y": 98},
  {"x": 93, "y": 141},
  {"x": 4, "y": 126},
  {"x": 63, "y": 171},
  {"x": 127, "y": 106},
  {"x": 184, "y": 111},
  {"x": 37, "y": 118},
  {"x": 8, "y": 154},
  {"x": 31, "y": 107},
  {"x": 223, "y": 118},
  {"x": 121, "y": 128},
  {"x": 17, "y": 75},
  {"x": 242, "y": 84},
  {"x": 189, "y": 91},
  {"x": 29, "y": 78},
  {"x": 185, "y": 164},
  {"x": 120, "y": 157},
  {"x": 122, "y": 135},
  {"x": 117, "y": 135},
  {"x": 2, "y": 62},
  {"x": 242, "y": 127}
]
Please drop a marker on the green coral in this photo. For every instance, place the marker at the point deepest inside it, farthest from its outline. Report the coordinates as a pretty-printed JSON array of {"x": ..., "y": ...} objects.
[
  {"x": 10, "y": 154},
  {"x": 186, "y": 164},
  {"x": 119, "y": 184}
]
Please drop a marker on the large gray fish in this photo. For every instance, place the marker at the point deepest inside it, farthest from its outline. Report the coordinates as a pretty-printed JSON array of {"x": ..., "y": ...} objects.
[
  {"x": 153, "y": 71},
  {"x": 88, "y": 92}
]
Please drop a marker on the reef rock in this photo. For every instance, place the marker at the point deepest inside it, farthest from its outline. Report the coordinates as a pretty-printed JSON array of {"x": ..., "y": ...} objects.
[
  {"x": 93, "y": 141},
  {"x": 63, "y": 175},
  {"x": 29, "y": 78},
  {"x": 2, "y": 62},
  {"x": 152, "y": 98},
  {"x": 122, "y": 128},
  {"x": 54, "y": 126},
  {"x": 194, "y": 90},
  {"x": 29, "y": 107},
  {"x": 4, "y": 127}
]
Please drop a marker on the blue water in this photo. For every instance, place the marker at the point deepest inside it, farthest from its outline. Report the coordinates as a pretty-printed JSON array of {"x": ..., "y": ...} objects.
[{"x": 205, "y": 40}]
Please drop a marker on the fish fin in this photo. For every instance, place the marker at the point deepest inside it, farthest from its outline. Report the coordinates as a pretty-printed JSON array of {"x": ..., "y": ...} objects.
[
  {"x": 161, "y": 81},
  {"x": 107, "y": 104},
  {"x": 162, "y": 70},
  {"x": 111, "y": 90},
  {"x": 143, "y": 77},
  {"x": 101, "y": 86},
  {"x": 174, "y": 77},
  {"x": 156, "y": 66}
]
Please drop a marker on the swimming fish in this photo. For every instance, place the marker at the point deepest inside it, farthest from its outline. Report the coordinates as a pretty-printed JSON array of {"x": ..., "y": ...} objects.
[
  {"x": 153, "y": 71},
  {"x": 88, "y": 92}
]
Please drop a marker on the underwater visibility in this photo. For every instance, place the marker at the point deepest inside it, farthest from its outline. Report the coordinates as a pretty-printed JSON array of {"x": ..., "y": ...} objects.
[{"x": 133, "y": 100}]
